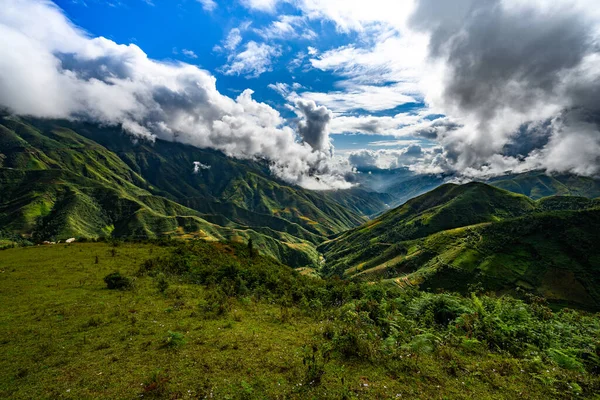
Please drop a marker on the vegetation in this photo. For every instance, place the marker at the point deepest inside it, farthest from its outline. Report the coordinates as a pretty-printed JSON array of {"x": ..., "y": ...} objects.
[
  {"x": 461, "y": 292},
  {"x": 458, "y": 237},
  {"x": 117, "y": 281},
  {"x": 537, "y": 184},
  {"x": 63, "y": 179},
  {"x": 233, "y": 324}
]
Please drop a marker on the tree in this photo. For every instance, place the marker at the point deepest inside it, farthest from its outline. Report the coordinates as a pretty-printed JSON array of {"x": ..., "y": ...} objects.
[{"x": 251, "y": 247}]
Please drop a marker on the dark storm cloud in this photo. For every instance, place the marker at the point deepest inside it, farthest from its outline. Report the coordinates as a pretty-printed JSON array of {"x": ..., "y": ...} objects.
[
  {"x": 498, "y": 56},
  {"x": 511, "y": 68}
]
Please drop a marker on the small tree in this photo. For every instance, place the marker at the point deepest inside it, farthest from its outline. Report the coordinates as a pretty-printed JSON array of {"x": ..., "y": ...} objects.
[{"x": 251, "y": 247}]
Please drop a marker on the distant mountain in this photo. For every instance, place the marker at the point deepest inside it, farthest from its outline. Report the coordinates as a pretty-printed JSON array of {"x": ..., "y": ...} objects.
[
  {"x": 538, "y": 184},
  {"x": 61, "y": 179},
  {"x": 400, "y": 184},
  {"x": 459, "y": 236},
  {"x": 403, "y": 185}
]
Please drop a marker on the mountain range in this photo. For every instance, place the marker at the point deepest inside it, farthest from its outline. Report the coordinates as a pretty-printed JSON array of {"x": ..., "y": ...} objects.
[
  {"x": 461, "y": 237},
  {"x": 64, "y": 179},
  {"x": 534, "y": 231}
]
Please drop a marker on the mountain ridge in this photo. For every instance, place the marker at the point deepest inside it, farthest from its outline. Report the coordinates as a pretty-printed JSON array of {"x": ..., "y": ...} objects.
[
  {"x": 507, "y": 241},
  {"x": 73, "y": 179}
]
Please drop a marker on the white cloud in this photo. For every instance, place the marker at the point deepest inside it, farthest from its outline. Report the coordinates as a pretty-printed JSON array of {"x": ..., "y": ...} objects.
[
  {"x": 393, "y": 143},
  {"x": 189, "y": 53},
  {"x": 51, "y": 69},
  {"x": 261, "y": 5},
  {"x": 199, "y": 166},
  {"x": 256, "y": 59},
  {"x": 362, "y": 97},
  {"x": 287, "y": 27},
  {"x": 208, "y": 5},
  {"x": 492, "y": 67},
  {"x": 234, "y": 38},
  {"x": 412, "y": 156},
  {"x": 357, "y": 15}
]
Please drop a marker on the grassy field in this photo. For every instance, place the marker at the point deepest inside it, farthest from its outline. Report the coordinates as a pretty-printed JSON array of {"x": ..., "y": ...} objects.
[{"x": 63, "y": 334}]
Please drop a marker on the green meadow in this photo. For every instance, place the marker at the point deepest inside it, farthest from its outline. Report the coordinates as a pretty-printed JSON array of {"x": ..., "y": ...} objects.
[{"x": 217, "y": 320}]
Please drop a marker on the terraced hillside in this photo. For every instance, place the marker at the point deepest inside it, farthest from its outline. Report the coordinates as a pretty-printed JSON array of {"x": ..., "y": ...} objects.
[
  {"x": 463, "y": 237},
  {"x": 61, "y": 179}
]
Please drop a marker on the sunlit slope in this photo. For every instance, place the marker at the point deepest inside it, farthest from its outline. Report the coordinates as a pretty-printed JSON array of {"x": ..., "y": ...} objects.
[
  {"x": 62, "y": 179},
  {"x": 446, "y": 207},
  {"x": 537, "y": 184},
  {"x": 475, "y": 236}
]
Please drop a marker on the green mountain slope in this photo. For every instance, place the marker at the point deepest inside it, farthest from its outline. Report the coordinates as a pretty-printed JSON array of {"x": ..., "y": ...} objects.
[
  {"x": 449, "y": 206},
  {"x": 458, "y": 236},
  {"x": 537, "y": 184},
  {"x": 62, "y": 179}
]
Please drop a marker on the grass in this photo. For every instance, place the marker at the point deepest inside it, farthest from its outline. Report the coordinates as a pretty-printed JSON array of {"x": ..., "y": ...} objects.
[
  {"x": 64, "y": 179},
  {"x": 65, "y": 335}
]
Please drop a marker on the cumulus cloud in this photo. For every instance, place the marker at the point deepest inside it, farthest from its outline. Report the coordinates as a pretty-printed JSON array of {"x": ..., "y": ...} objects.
[
  {"x": 49, "y": 68},
  {"x": 522, "y": 77},
  {"x": 517, "y": 80},
  {"x": 256, "y": 59},
  {"x": 413, "y": 157},
  {"x": 314, "y": 124}
]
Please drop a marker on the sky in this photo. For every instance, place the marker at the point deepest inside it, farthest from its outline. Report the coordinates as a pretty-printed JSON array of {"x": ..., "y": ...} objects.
[{"x": 318, "y": 88}]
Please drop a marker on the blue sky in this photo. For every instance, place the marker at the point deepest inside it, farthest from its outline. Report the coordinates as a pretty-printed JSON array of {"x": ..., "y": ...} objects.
[
  {"x": 318, "y": 87},
  {"x": 190, "y": 32}
]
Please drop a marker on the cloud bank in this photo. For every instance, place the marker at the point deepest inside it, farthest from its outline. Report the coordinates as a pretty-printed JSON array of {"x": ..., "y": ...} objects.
[
  {"x": 50, "y": 68},
  {"x": 514, "y": 84},
  {"x": 523, "y": 77}
]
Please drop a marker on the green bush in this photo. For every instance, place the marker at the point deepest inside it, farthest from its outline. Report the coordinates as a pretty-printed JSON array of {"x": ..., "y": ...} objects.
[
  {"x": 162, "y": 284},
  {"x": 173, "y": 340},
  {"x": 116, "y": 281}
]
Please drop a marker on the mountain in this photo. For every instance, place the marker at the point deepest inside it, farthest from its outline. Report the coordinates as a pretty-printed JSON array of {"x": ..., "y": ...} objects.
[
  {"x": 537, "y": 184},
  {"x": 65, "y": 179},
  {"x": 400, "y": 184},
  {"x": 403, "y": 184},
  {"x": 458, "y": 237}
]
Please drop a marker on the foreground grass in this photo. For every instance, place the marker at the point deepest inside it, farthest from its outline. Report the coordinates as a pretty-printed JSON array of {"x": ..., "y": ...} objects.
[{"x": 64, "y": 335}]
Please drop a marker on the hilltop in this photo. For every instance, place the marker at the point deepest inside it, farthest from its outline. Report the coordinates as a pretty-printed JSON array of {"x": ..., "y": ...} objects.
[{"x": 460, "y": 237}]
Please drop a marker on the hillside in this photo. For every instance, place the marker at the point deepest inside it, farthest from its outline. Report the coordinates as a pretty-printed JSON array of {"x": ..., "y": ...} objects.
[
  {"x": 458, "y": 237},
  {"x": 402, "y": 184},
  {"x": 63, "y": 179},
  {"x": 213, "y": 320},
  {"x": 537, "y": 184}
]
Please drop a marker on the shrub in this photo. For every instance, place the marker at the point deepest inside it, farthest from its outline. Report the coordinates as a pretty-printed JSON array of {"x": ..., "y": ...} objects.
[
  {"x": 314, "y": 359},
  {"x": 564, "y": 360},
  {"x": 117, "y": 281},
  {"x": 162, "y": 284},
  {"x": 173, "y": 340}
]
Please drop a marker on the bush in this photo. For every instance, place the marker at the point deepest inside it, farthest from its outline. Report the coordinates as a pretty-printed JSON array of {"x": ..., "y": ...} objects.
[
  {"x": 116, "y": 281},
  {"x": 162, "y": 284},
  {"x": 173, "y": 340}
]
